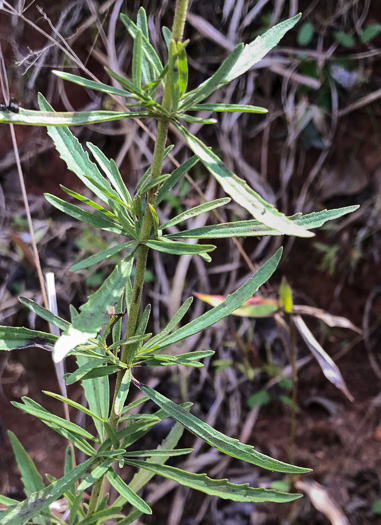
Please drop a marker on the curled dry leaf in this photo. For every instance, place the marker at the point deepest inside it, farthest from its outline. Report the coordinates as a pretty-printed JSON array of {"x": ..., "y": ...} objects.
[
  {"x": 323, "y": 502},
  {"x": 330, "y": 320},
  {"x": 329, "y": 368}
]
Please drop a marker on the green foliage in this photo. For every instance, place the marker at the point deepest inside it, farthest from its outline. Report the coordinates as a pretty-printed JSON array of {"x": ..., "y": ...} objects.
[{"x": 95, "y": 334}]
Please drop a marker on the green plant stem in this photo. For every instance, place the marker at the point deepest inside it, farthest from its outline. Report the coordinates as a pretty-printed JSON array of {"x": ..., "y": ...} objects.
[
  {"x": 179, "y": 20},
  {"x": 141, "y": 260},
  {"x": 96, "y": 495}
]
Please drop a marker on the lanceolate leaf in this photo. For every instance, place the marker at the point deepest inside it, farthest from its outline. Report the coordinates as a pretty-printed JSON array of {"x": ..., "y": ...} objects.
[
  {"x": 213, "y": 83},
  {"x": 172, "y": 323},
  {"x": 125, "y": 491},
  {"x": 240, "y": 108},
  {"x": 111, "y": 171},
  {"x": 93, "y": 314},
  {"x": 105, "y": 254},
  {"x": 239, "y": 190},
  {"x": 193, "y": 212},
  {"x": 91, "y": 84},
  {"x": 28, "y": 117},
  {"x": 148, "y": 51},
  {"x": 175, "y": 177},
  {"x": 30, "y": 476},
  {"x": 254, "y": 228},
  {"x": 44, "y": 313},
  {"x": 26, "y": 510},
  {"x": 77, "y": 160},
  {"x": 137, "y": 60},
  {"x": 188, "y": 359},
  {"x": 256, "y": 50},
  {"x": 47, "y": 417},
  {"x": 15, "y": 338},
  {"x": 225, "y": 444},
  {"x": 99, "y": 220},
  {"x": 231, "y": 303},
  {"x": 179, "y": 248},
  {"x": 219, "y": 487}
]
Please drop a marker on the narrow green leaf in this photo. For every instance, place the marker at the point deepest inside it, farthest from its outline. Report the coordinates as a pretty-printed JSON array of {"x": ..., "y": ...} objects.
[
  {"x": 140, "y": 94},
  {"x": 118, "y": 182},
  {"x": 155, "y": 221},
  {"x": 153, "y": 183},
  {"x": 89, "y": 202},
  {"x": 93, "y": 314},
  {"x": 256, "y": 50},
  {"x": 77, "y": 160},
  {"x": 167, "y": 34},
  {"x": 4, "y": 500},
  {"x": 76, "y": 512},
  {"x": 31, "y": 507},
  {"x": 105, "y": 254},
  {"x": 101, "y": 516},
  {"x": 100, "y": 372},
  {"x": 130, "y": 496},
  {"x": 178, "y": 248},
  {"x": 111, "y": 171},
  {"x": 69, "y": 460},
  {"x": 99, "y": 220},
  {"x": 122, "y": 392},
  {"x": 73, "y": 404},
  {"x": 44, "y": 313},
  {"x": 173, "y": 70},
  {"x": 48, "y": 417},
  {"x": 141, "y": 22},
  {"x": 29, "y": 117},
  {"x": 196, "y": 120},
  {"x": 131, "y": 518},
  {"x": 148, "y": 51},
  {"x": 239, "y": 190},
  {"x": 213, "y": 83},
  {"x": 142, "y": 477},
  {"x": 95, "y": 474},
  {"x": 241, "y": 108},
  {"x": 30, "y": 476},
  {"x": 231, "y": 303},
  {"x": 187, "y": 359},
  {"x": 12, "y": 338},
  {"x": 318, "y": 218},
  {"x": 137, "y": 59},
  {"x": 91, "y": 84},
  {"x": 135, "y": 403},
  {"x": 193, "y": 212},
  {"x": 183, "y": 69},
  {"x": 112, "y": 434},
  {"x": 79, "y": 442},
  {"x": 219, "y": 487},
  {"x": 254, "y": 228},
  {"x": 88, "y": 365},
  {"x": 147, "y": 174},
  {"x": 175, "y": 177},
  {"x": 227, "y": 445},
  {"x": 158, "y": 453},
  {"x": 176, "y": 319}
]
